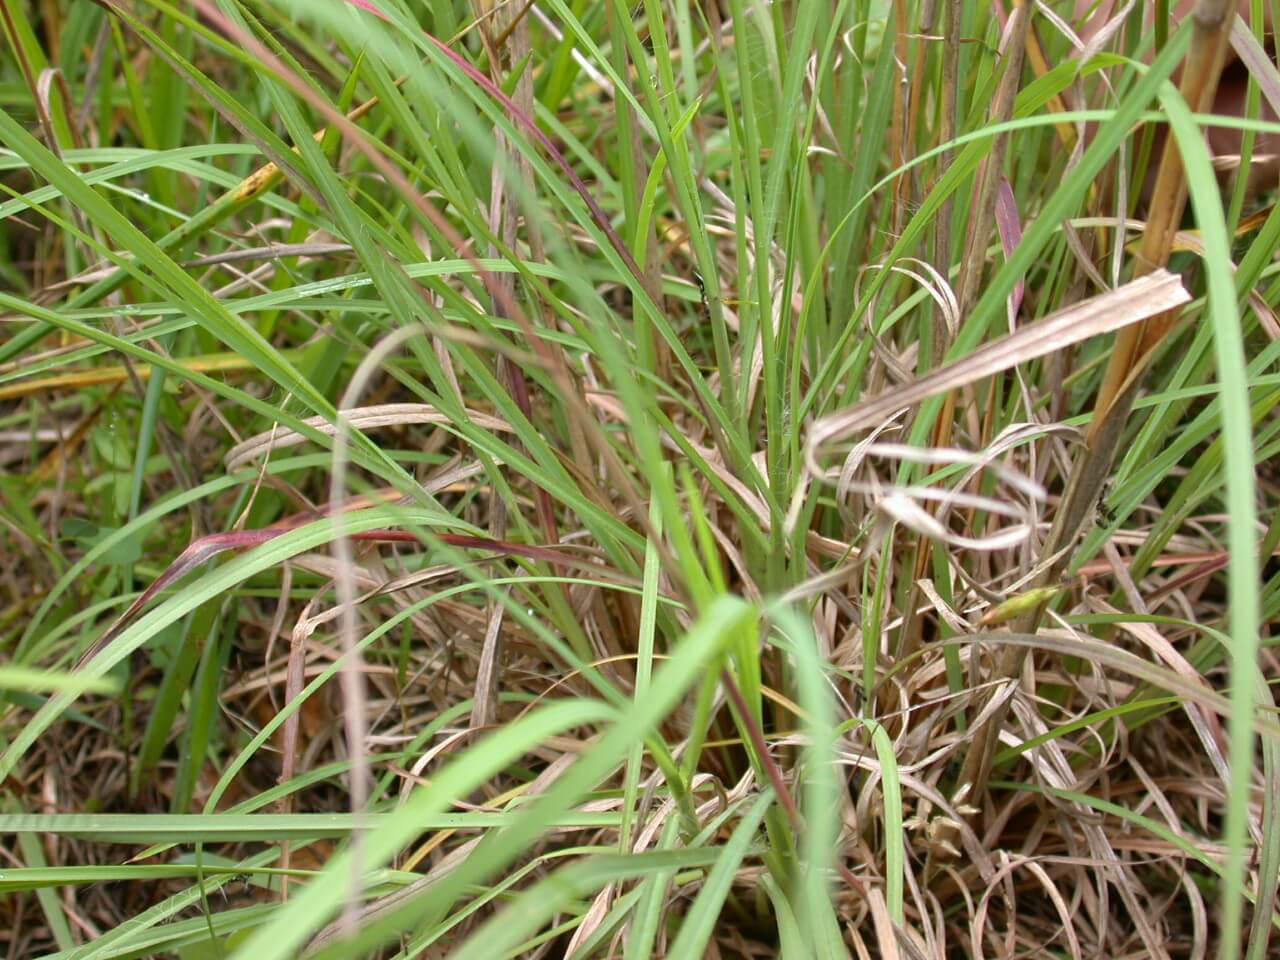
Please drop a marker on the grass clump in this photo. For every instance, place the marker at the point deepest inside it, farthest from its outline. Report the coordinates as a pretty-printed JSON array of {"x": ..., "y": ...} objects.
[{"x": 589, "y": 480}]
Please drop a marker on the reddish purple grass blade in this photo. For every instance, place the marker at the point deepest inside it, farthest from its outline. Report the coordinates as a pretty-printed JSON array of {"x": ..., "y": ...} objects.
[
  {"x": 1010, "y": 229},
  {"x": 208, "y": 547}
]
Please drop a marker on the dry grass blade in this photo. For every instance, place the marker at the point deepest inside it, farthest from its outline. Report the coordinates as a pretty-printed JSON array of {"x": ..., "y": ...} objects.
[
  {"x": 358, "y": 418},
  {"x": 1262, "y": 68},
  {"x": 1094, "y": 650},
  {"x": 1132, "y": 303},
  {"x": 100, "y": 376}
]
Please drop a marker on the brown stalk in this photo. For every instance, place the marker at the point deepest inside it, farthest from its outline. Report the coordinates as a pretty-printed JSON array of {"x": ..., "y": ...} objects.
[
  {"x": 629, "y": 139},
  {"x": 505, "y": 35},
  {"x": 916, "y": 94},
  {"x": 946, "y": 133},
  {"x": 900, "y": 124},
  {"x": 977, "y": 239},
  {"x": 1133, "y": 350}
]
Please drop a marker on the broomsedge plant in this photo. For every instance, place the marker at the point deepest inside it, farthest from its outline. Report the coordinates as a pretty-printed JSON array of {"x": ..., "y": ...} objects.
[{"x": 565, "y": 479}]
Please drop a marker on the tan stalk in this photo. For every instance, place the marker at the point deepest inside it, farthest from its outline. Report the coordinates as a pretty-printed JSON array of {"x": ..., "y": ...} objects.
[{"x": 1133, "y": 349}]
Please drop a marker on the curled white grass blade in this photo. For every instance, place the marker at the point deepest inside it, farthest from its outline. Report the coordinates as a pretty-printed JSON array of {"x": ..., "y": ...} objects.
[{"x": 902, "y": 503}]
